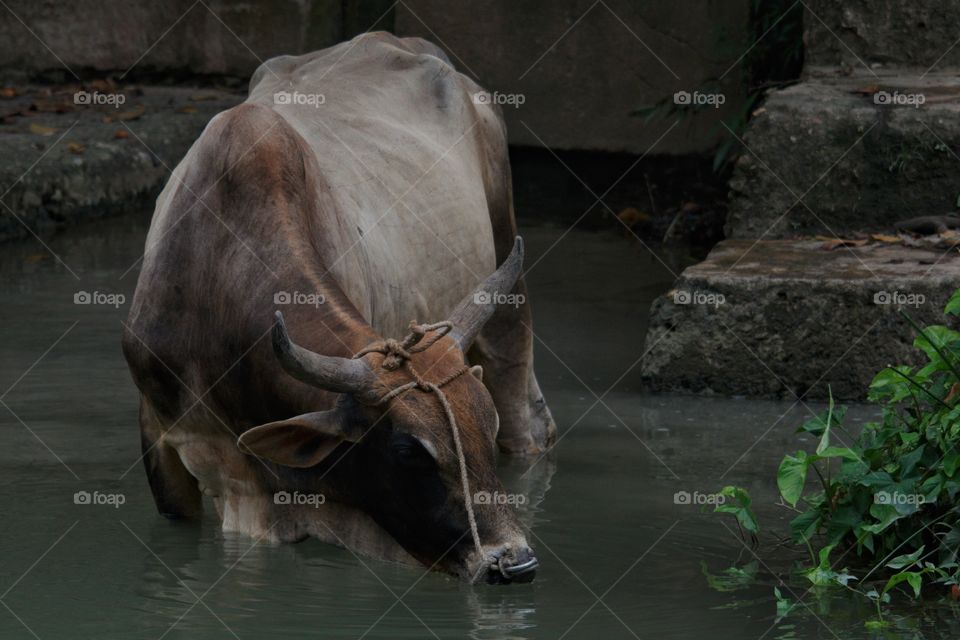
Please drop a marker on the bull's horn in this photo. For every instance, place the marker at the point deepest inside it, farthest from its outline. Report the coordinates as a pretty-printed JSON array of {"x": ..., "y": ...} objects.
[
  {"x": 332, "y": 373},
  {"x": 474, "y": 310}
]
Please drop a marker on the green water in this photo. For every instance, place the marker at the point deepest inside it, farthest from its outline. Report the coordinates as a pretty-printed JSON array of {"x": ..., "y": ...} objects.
[{"x": 619, "y": 559}]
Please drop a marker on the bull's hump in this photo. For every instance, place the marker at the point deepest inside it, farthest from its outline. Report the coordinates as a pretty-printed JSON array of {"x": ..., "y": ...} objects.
[{"x": 372, "y": 69}]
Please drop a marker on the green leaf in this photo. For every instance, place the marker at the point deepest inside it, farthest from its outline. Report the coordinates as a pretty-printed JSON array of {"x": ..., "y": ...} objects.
[
  {"x": 909, "y": 461},
  {"x": 950, "y": 464},
  {"x": 840, "y": 452},
  {"x": 791, "y": 477},
  {"x": 731, "y": 578},
  {"x": 937, "y": 338},
  {"x": 886, "y": 515},
  {"x": 825, "y": 438},
  {"x": 890, "y": 383},
  {"x": 906, "y": 559},
  {"x": 783, "y": 604},
  {"x": 844, "y": 520},
  {"x": 953, "y": 305},
  {"x": 913, "y": 578},
  {"x": 740, "y": 508},
  {"x": 804, "y": 526}
]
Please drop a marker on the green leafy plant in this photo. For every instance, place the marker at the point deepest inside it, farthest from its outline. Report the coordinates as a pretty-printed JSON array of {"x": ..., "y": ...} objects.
[{"x": 888, "y": 500}]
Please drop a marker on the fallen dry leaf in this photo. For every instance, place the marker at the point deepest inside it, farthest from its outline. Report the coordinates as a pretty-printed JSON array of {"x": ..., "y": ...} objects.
[
  {"x": 187, "y": 109},
  {"x": 631, "y": 216},
  {"x": 832, "y": 243},
  {"x": 41, "y": 130},
  {"x": 53, "y": 105},
  {"x": 868, "y": 90},
  {"x": 8, "y": 92},
  {"x": 121, "y": 134},
  {"x": 75, "y": 147},
  {"x": 879, "y": 237},
  {"x": 130, "y": 114}
]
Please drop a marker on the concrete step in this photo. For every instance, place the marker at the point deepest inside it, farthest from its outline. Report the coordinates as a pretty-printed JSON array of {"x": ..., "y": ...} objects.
[
  {"x": 853, "y": 33},
  {"x": 68, "y": 160},
  {"x": 787, "y": 318},
  {"x": 833, "y": 155}
]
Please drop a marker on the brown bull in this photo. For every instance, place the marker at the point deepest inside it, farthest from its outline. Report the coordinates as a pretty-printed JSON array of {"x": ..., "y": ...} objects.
[{"x": 382, "y": 196}]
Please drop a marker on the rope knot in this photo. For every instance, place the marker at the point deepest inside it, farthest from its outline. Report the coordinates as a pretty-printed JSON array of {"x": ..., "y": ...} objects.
[{"x": 396, "y": 354}]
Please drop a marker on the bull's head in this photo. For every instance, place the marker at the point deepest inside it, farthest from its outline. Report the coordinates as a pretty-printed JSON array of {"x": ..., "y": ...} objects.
[{"x": 400, "y": 457}]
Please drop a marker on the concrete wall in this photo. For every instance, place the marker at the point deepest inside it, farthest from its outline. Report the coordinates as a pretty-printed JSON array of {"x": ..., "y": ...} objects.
[
  {"x": 594, "y": 66},
  {"x": 179, "y": 36},
  {"x": 581, "y": 92}
]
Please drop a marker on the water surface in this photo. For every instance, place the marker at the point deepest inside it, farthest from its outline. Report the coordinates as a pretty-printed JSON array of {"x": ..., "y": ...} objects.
[{"x": 619, "y": 558}]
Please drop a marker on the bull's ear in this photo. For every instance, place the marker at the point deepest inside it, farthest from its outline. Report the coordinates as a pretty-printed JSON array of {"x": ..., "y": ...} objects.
[{"x": 300, "y": 442}]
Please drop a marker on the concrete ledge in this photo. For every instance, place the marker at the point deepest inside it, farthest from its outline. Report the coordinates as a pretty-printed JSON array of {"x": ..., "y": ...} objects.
[
  {"x": 859, "y": 161},
  {"x": 77, "y": 162},
  {"x": 881, "y": 32},
  {"x": 787, "y": 318}
]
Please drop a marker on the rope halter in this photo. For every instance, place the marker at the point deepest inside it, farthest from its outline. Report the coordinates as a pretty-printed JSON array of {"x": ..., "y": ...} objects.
[{"x": 397, "y": 354}]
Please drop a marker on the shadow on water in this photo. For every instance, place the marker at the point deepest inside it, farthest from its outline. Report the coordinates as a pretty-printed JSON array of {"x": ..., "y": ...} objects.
[{"x": 619, "y": 557}]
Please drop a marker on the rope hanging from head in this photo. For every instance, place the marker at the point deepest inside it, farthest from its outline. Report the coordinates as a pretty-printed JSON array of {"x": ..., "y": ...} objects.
[{"x": 397, "y": 354}]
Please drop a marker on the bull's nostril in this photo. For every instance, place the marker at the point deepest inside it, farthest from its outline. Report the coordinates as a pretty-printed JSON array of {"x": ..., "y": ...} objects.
[
  {"x": 521, "y": 567},
  {"x": 522, "y": 572}
]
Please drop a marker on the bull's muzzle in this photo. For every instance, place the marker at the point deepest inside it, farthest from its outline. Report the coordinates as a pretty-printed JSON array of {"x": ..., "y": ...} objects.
[{"x": 513, "y": 566}]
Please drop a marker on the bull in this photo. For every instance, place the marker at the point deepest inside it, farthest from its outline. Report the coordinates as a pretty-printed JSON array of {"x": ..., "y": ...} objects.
[{"x": 356, "y": 188}]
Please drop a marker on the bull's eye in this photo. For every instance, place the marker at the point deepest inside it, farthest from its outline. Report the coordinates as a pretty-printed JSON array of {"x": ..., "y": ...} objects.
[{"x": 411, "y": 452}]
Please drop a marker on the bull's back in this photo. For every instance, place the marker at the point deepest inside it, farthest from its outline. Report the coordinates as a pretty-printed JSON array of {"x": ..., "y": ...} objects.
[{"x": 406, "y": 155}]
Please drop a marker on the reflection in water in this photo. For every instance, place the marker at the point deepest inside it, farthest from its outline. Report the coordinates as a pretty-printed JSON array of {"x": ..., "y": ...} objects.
[{"x": 601, "y": 509}]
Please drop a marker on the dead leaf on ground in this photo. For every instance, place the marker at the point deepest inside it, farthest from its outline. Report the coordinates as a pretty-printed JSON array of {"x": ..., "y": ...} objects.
[
  {"x": 879, "y": 237},
  {"x": 52, "y": 105},
  {"x": 832, "y": 243},
  {"x": 631, "y": 216},
  {"x": 36, "y": 257},
  {"x": 868, "y": 90},
  {"x": 121, "y": 134},
  {"x": 187, "y": 109},
  {"x": 950, "y": 235},
  {"x": 8, "y": 92},
  {"x": 75, "y": 147},
  {"x": 41, "y": 130},
  {"x": 124, "y": 116}
]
